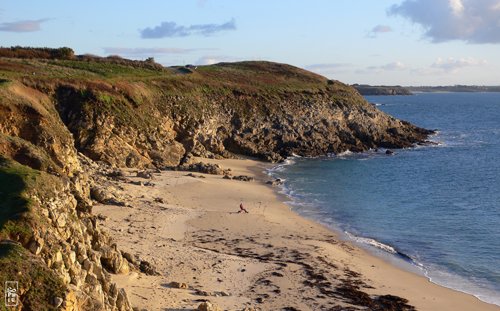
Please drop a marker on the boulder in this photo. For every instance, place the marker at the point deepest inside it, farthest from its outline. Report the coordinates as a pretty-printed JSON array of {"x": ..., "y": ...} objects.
[
  {"x": 200, "y": 167},
  {"x": 148, "y": 268},
  {"x": 179, "y": 285},
  {"x": 100, "y": 194},
  {"x": 145, "y": 174},
  {"x": 113, "y": 260},
  {"x": 208, "y": 306}
]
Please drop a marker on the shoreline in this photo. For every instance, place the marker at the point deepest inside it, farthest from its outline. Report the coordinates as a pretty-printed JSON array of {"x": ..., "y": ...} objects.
[
  {"x": 269, "y": 259},
  {"x": 391, "y": 255}
]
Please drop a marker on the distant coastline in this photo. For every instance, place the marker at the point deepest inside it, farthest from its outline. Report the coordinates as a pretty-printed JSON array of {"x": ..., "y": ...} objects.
[
  {"x": 365, "y": 89},
  {"x": 454, "y": 88}
]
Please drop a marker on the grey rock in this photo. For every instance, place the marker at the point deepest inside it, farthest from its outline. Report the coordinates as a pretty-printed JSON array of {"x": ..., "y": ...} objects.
[
  {"x": 145, "y": 174},
  {"x": 57, "y": 302}
]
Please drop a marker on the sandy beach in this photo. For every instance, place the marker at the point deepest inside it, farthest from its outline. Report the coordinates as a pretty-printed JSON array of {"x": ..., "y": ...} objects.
[{"x": 190, "y": 230}]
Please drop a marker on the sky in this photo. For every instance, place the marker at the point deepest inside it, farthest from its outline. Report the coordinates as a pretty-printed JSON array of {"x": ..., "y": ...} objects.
[{"x": 379, "y": 42}]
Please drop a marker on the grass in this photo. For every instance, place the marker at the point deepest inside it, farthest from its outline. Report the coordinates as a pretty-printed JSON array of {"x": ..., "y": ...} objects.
[
  {"x": 135, "y": 95},
  {"x": 38, "y": 285},
  {"x": 14, "y": 204},
  {"x": 107, "y": 70}
]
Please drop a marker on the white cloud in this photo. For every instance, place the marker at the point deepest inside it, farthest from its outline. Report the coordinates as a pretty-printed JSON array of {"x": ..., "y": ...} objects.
[
  {"x": 452, "y": 65},
  {"x": 393, "y": 66},
  {"x": 473, "y": 21},
  {"x": 457, "y": 7}
]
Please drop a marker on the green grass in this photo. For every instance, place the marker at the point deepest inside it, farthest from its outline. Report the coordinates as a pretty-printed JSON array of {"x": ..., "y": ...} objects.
[
  {"x": 107, "y": 88},
  {"x": 38, "y": 285},
  {"x": 14, "y": 205},
  {"x": 107, "y": 70}
]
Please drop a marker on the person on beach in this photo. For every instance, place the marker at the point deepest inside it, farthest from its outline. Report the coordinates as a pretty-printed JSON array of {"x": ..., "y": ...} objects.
[{"x": 242, "y": 209}]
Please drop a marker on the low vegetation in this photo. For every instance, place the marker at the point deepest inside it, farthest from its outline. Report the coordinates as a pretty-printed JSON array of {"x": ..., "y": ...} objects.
[{"x": 38, "y": 285}]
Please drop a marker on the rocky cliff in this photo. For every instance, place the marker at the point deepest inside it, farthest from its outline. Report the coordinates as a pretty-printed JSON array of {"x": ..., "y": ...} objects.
[
  {"x": 364, "y": 89},
  {"x": 59, "y": 117}
]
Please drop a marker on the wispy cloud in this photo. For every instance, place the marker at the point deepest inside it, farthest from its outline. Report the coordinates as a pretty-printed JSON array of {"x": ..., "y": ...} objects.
[
  {"x": 329, "y": 68},
  {"x": 473, "y": 21},
  {"x": 23, "y": 26},
  {"x": 379, "y": 29},
  {"x": 171, "y": 29},
  {"x": 452, "y": 65},
  {"x": 393, "y": 66},
  {"x": 146, "y": 51}
]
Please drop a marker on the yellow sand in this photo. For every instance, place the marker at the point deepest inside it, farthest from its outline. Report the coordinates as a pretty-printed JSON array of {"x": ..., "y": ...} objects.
[{"x": 268, "y": 259}]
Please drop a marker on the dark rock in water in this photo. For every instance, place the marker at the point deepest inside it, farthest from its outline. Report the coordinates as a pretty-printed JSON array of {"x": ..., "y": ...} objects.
[
  {"x": 428, "y": 143},
  {"x": 275, "y": 182},
  {"x": 389, "y": 152}
]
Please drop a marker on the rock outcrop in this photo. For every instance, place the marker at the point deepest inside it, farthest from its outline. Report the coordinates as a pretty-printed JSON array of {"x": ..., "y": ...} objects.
[
  {"x": 265, "y": 110},
  {"x": 63, "y": 127}
]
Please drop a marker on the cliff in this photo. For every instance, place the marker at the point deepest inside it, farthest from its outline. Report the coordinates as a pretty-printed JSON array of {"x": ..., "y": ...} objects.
[
  {"x": 59, "y": 117},
  {"x": 364, "y": 89}
]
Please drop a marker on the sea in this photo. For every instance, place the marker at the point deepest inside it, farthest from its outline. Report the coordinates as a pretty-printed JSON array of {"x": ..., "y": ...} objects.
[{"x": 435, "y": 208}]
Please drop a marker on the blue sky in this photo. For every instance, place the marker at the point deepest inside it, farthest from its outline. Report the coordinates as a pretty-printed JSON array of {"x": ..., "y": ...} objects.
[{"x": 406, "y": 42}]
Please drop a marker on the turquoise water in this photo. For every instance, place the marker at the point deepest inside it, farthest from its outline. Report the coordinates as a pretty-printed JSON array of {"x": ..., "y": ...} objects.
[{"x": 436, "y": 207}]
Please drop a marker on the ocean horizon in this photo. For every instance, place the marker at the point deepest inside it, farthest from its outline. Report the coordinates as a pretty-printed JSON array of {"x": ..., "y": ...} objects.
[{"x": 434, "y": 207}]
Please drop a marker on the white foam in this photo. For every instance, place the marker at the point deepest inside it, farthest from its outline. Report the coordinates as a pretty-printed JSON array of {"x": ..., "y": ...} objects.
[
  {"x": 461, "y": 284},
  {"x": 436, "y": 275},
  {"x": 372, "y": 242},
  {"x": 345, "y": 153}
]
